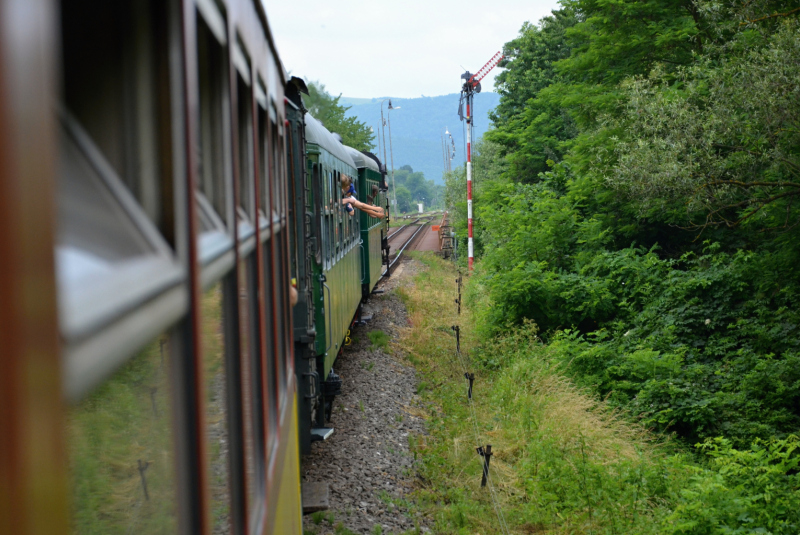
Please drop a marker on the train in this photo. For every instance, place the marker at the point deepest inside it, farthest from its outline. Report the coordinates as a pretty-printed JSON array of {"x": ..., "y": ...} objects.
[{"x": 165, "y": 198}]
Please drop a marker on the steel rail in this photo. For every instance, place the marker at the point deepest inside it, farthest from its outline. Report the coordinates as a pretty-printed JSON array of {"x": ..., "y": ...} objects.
[
  {"x": 403, "y": 248},
  {"x": 399, "y": 230}
]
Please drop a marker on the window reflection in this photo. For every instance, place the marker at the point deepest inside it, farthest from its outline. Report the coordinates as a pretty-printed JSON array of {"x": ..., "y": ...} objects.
[
  {"x": 216, "y": 409},
  {"x": 253, "y": 391},
  {"x": 121, "y": 451}
]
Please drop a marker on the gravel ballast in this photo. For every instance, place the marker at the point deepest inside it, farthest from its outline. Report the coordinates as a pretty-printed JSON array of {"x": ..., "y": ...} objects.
[{"x": 367, "y": 462}]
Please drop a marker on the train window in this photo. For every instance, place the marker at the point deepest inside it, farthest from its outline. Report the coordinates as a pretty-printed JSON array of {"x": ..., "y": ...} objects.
[
  {"x": 345, "y": 217},
  {"x": 112, "y": 53},
  {"x": 110, "y": 258},
  {"x": 277, "y": 176},
  {"x": 121, "y": 448},
  {"x": 246, "y": 163},
  {"x": 334, "y": 236},
  {"x": 284, "y": 311},
  {"x": 351, "y": 220},
  {"x": 339, "y": 211},
  {"x": 269, "y": 321},
  {"x": 314, "y": 190},
  {"x": 356, "y": 223},
  {"x": 263, "y": 155},
  {"x": 214, "y": 177},
  {"x": 326, "y": 230},
  {"x": 215, "y": 376},
  {"x": 356, "y": 217},
  {"x": 252, "y": 391},
  {"x": 331, "y": 223},
  {"x": 319, "y": 192},
  {"x": 342, "y": 211},
  {"x": 326, "y": 217},
  {"x": 213, "y": 18},
  {"x": 280, "y": 249},
  {"x": 348, "y": 221}
]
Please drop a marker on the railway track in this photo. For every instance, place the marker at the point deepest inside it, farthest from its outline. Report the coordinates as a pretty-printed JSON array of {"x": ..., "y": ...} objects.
[
  {"x": 404, "y": 237},
  {"x": 400, "y": 229}
]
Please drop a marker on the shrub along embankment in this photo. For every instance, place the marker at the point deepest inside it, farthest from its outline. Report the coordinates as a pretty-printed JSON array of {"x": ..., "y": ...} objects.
[{"x": 564, "y": 460}]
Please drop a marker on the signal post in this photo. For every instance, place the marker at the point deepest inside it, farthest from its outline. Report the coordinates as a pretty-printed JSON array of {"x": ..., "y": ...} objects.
[{"x": 471, "y": 86}]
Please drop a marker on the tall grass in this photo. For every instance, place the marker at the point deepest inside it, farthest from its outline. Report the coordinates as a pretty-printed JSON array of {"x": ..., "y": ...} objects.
[{"x": 563, "y": 462}]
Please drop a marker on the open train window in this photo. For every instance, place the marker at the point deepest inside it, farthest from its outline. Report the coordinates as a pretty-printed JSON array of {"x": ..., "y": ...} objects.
[{"x": 115, "y": 262}]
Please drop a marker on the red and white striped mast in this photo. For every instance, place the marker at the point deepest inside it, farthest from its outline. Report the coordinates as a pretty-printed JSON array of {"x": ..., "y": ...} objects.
[{"x": 471, "y": 86}]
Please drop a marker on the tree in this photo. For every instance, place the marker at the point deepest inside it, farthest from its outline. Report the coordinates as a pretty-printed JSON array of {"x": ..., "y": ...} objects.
[
  {"x": 724, "y": 144},
  {"x": 327, "y": 109},
  {"x": 530, "y": 130},
  {"x": 403, "y": 199},
  {"x": 616, "y": 39}
]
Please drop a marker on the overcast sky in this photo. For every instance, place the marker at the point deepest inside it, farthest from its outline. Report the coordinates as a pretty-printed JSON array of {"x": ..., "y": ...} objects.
[{"x": 404, "y": 48}]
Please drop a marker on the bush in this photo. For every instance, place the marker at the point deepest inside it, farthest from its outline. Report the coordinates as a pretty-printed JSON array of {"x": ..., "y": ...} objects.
[{"x": 742, "y": 492}]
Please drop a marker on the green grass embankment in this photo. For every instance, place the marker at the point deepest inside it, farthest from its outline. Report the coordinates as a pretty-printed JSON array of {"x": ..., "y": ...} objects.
[{"x": 563, "y": 462}]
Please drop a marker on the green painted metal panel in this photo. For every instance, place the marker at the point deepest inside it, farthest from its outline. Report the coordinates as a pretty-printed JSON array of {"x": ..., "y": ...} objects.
[
  {"x": 371, "y": 227},
  {"x": 338, "y": 262}
]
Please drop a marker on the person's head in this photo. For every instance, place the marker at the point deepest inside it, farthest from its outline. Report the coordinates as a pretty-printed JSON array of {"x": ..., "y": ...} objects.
[
  {"x": 346, "y": 182},
  {"x": 374, "y": 195}
]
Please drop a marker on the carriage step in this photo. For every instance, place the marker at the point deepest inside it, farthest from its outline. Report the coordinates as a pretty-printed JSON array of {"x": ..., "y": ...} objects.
[
  {"x": 321, "y": 433},
  {"x": 364, "y": 319},
  {"x": 315, "y": 497}
]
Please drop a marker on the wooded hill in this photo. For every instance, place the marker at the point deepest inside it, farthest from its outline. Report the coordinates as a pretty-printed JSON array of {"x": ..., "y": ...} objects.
[
  {"x": 418, "y": 125},
  {"x": 637, "y": 201}
]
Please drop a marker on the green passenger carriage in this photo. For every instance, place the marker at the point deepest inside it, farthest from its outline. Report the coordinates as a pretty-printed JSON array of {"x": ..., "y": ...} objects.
[
  {"x": 370, "y": 189},
  {"x": 337, "y": 261}
]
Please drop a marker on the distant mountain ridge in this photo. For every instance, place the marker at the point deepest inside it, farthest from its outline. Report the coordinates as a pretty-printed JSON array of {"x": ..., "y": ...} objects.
[{"x": 418, "y": 125}]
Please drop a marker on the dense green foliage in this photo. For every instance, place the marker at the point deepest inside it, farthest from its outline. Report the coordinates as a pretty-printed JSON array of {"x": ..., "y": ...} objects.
[
  {"x": 413, "y": 187},
  {"x": 636, "y": 200},
  {"x": 327, "y": 109}
]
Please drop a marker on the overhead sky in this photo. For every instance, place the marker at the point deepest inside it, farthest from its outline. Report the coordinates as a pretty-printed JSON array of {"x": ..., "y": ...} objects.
[{"x": 375, "y": 48}]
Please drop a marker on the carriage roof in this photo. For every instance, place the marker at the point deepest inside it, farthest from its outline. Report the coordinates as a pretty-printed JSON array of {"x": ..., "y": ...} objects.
[
  {"x": 362, "y": 160},
  {"x": 316, "y": 133}
]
